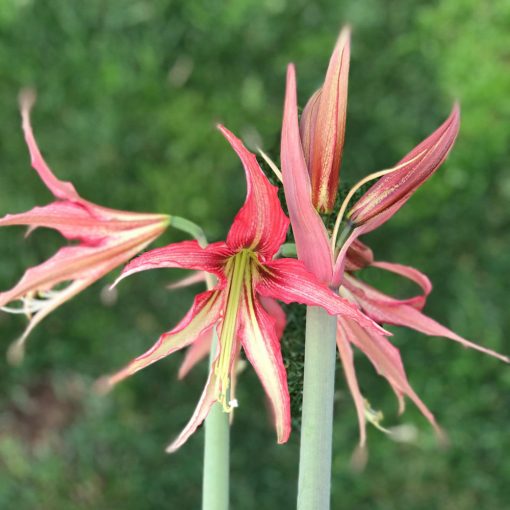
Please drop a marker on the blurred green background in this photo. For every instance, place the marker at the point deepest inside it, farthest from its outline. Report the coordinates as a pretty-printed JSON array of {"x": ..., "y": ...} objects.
[{"x": 129, "y": 92}]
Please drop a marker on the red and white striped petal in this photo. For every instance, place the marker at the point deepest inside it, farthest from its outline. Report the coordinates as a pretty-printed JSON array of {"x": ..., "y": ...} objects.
[
  {"x": 289, "y": 281},
  {"x": 81, "y": 262},
  {"x": 205, "y": 403},
  {"x": 405, "y": 315},
  {"x": 260, "y": 224},
  {"x": 185, "y": 255},
  {"x": 311, "y": 237},
  {"x": 262, "y": 347},
  {"x": 204, "y": 313},
  {"x": 76, "y": 222},
  {"x": 196, "y": 352},
  {"x": 364, "y": 292},
  {"x": 347, "y": 359},
  {"x": 188, "y": 281},
  {"x": 412, "y": 274},
  {"x": 276, "y": 311}
]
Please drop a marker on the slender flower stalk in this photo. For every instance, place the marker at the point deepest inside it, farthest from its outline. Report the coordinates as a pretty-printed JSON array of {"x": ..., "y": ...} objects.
[
  {"x": 317, "y": 415},
  {"x": 216, "y": 471},
  {"x": 104, "y": 239},
  {"x": 335, "y": 260}
]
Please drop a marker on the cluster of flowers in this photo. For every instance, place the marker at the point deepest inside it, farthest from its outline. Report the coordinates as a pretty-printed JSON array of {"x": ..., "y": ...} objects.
[{"x": 240, "y": 309}]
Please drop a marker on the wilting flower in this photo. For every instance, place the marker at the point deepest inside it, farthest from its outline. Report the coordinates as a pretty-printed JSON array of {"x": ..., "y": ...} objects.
[
  {"x": 106, "y": 238},
  {"x": 246, "y": 273},
  {"x": 337, "y": 265}
]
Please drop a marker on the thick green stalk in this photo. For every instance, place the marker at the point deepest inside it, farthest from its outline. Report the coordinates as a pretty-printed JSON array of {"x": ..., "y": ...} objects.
[
  {"x": 317, "y": 414},
  {"x": 215, "y": 490}
]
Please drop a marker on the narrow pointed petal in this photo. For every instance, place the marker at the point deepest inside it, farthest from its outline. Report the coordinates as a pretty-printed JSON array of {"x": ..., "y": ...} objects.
[
  {"x": 260, "y": 224},
  {"x": 204, "y": 313},
  {"x": 75, "y": 221},
  {"x": 328, "y": 140},
  {"x": 188, "y": 281},
  {"x": 185, "y": 255},
  {"x": 289, "y": 281},
  {"x": 366, "y": 293},
  {"x": 409, "y": 317},
  {"x": 347, "y": 359},
  {"x": 61, "y": 189},
  {"x": 341, "y": 262},
  {"x": 311, "y": 237},
  {"x": 395, "y": 188},
  {"x": 262, "y": 347},
  {"x": 80, "y": 262},
  {"x": 207, "y": 399},
  {"x": 387, "y": 361},
  {"x": 272, "y": 307},
  {"x": 16, "y": 350},
  {"x": 412, "y": 274},
  {"x": 196, "y": 352}
]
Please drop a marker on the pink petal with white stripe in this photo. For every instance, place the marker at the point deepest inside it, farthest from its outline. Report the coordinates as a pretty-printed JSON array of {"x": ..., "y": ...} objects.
[
  {"x": 186, "y": 255},
  {"x": 289, "y": 281},
  {"x": 262, "y": 347},
  {"x": 202, "y": 316},
  {"x": 207, "y": 399},
  {"x": 347, "y": 359},
  {"x": 276, "y": 312},
  {"x": 409, "y": 317},
  {"x": 261, "y": 224},
  {"x": 196, "y": 352},
  {"x": 388, "y": 363}
]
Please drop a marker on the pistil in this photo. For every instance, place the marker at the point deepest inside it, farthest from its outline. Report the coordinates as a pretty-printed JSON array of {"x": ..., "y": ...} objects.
[{"x": 236, "y": 269}]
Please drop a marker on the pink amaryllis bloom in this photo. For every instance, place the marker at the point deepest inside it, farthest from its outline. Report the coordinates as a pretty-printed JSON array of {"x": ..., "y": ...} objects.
[
  {"x": 337, "y": 266},
  {"x": 104, "y": 239},
  {"x": 246, "y": 272}
]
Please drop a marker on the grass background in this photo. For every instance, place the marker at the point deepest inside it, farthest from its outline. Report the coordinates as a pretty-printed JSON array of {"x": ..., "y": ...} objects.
[{"x": 128, "y": 96}]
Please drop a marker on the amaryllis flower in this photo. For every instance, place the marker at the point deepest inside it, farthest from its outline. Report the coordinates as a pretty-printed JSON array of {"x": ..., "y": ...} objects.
[
  {"x": 335, "y": 259},
  {"x": 104, "y": 239},
  {"x": 246, "y": 273}
]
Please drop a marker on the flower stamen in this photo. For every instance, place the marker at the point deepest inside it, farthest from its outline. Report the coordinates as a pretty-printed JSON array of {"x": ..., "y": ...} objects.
[{"x": 235, "y": 271}]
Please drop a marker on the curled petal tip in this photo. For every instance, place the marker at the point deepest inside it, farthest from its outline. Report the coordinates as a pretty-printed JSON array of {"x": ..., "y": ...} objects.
[
  {"x": 16, "y": 353},
  {"x": 117, "y": 281},
  {"x": 170, "y": 448},
  {"x": 103, "y": 385},
  {"x": 27, "y": 98}
]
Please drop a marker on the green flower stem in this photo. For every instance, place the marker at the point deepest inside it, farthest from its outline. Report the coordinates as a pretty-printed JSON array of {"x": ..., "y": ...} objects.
[
  {"x": 215, "y": 490},
  {"x": 317, "y": 414},
  {"x": 190, "y": 228}
]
